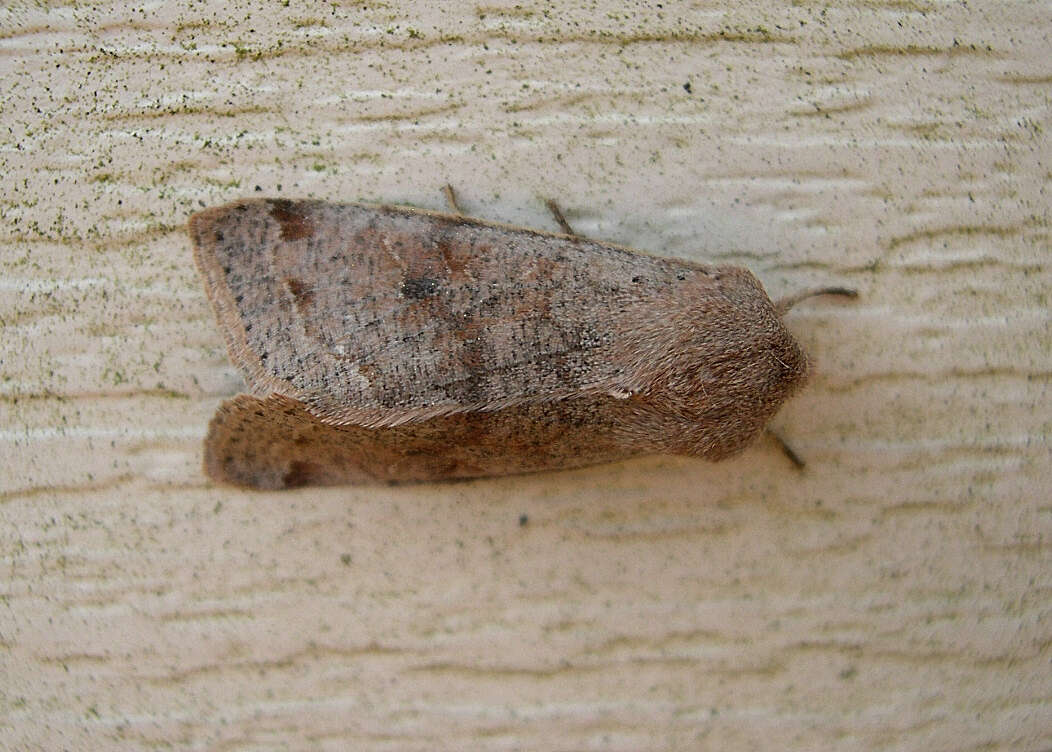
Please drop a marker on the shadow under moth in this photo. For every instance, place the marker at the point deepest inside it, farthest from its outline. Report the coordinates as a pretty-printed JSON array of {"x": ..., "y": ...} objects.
[{"x": 392, "y": 344}]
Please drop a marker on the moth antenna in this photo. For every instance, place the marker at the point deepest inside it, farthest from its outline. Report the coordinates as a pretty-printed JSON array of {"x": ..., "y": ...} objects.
[{"x": 789, "y": 301}]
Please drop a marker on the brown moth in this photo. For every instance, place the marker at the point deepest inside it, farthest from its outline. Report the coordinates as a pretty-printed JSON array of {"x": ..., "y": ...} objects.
[{"x": 386, "y": 343}]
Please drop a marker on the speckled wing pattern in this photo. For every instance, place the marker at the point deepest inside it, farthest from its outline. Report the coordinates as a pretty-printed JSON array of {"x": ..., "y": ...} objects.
[
  {"x": 376, "y": 316},
  {"x": 275, "y": 442}
]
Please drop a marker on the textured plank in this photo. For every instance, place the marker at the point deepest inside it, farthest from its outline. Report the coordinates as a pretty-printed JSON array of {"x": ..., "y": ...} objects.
[{"x": 895, "y": 595}]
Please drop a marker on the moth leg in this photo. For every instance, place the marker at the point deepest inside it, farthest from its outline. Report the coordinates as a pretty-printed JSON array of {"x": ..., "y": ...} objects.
[
  {"x": 451, "y": 199},
  {"x": 795, "y": 458},
  {"x": 784, "y": 304},
  {"x": 559, "y": 218}
]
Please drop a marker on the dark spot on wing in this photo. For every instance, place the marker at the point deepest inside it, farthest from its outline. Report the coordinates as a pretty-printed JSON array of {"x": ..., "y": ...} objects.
[
  {"x": 294, "y": 225},
  {"x": 419, "y": 287},
  {"x": 302, "y": 294},
  {"x": 299, "y": 474}
]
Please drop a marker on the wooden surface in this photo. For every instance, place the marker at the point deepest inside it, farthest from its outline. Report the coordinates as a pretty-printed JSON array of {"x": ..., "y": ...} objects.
[{"x": 897, "y": 594}]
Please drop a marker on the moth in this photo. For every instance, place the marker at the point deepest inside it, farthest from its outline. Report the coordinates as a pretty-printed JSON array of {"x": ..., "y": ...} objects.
[{"x": 390, "y": 344}]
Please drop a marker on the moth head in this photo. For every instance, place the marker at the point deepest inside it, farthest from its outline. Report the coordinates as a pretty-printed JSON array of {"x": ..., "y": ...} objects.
[
  {"x": 728, "y": 363},
  {"x": 734, "y": 345},
  {"x": 720, "y": 364}
]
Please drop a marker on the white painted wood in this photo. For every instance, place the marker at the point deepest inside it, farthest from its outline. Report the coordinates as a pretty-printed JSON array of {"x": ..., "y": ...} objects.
[{"x": 895, "y": 595}]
